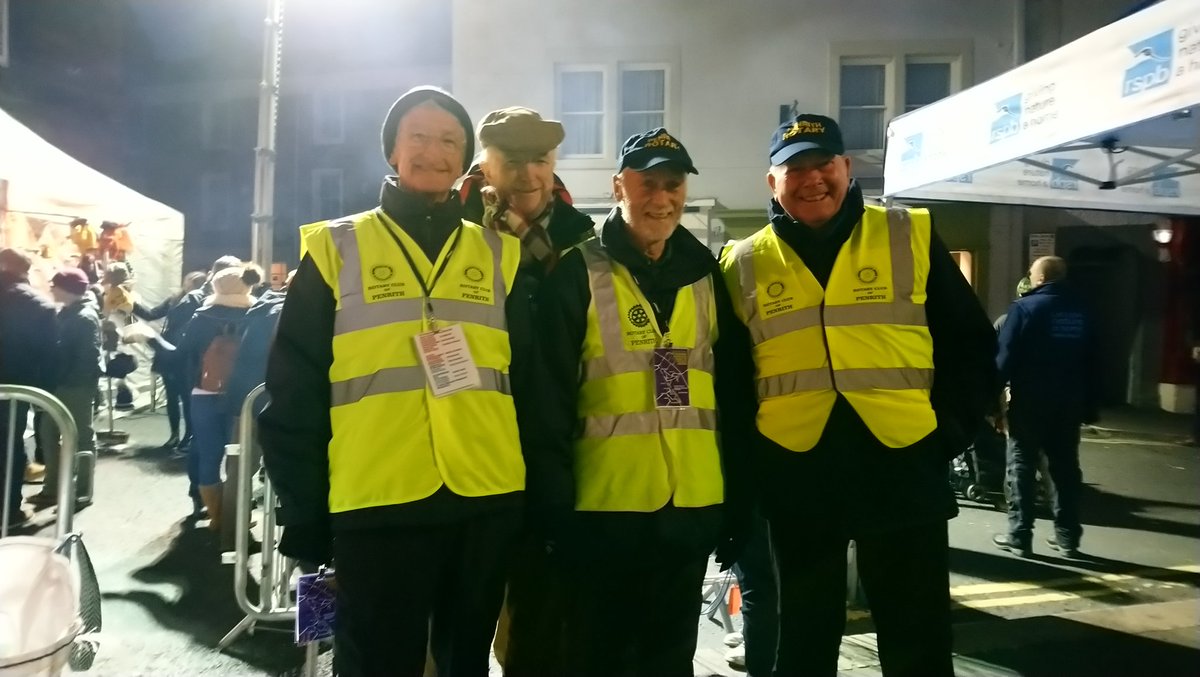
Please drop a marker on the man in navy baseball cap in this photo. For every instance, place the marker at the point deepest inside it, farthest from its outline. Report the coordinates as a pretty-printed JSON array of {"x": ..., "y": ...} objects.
[
  {"x": 652, "y": 148},
  {"x": 806, "y": 132}
]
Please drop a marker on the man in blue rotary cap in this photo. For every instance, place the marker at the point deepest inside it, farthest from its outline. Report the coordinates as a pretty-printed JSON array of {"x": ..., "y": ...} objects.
[
  {"x": 873, "y": 366},
  {"x": 632, "y": 324}
]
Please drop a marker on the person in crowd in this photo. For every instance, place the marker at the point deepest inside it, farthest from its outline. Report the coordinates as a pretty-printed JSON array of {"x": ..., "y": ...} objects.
[
  {"x": 209, "y": 350},
  {"x": 633, "y": 325},
  {"x": 116, "y": 311},
  {"x": 418, "y": 469},
  {"x": 250, "y": 370},
  {"x": 175, "y": 312},
  {"x": 513, "y": 189},
  {"x": 79, "y": 364},
  {"x": 873, "y": 361},
  {"x": 1047, "y": 357},
  {"x": 755, "y": 572},
  {"x": 27, "y": 357}
]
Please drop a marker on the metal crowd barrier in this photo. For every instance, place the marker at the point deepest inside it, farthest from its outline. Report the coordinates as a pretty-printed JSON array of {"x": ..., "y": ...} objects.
[
  {"x": 275, "y": 601},
  {"x": 67, "y": 452}
]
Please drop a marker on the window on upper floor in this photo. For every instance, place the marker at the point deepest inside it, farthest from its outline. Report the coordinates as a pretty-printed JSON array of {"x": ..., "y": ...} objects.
[
  {"x": 216, "y": 195},
  {"x": 327, "y": 193},
  {"x": 329, "y": 114},
  {"x": 602, "y": 105},
  {"x": 217, "y": 120},
  {"x": 3, "y": 33},
  {"x": 875, "y": 83}
]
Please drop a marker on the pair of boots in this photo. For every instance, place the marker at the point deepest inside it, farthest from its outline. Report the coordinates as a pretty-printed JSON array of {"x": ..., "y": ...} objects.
[{"x": 210, "y": 498}]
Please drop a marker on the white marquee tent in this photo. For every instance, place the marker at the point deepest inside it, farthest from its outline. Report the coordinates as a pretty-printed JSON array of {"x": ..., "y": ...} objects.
[
  {"x": 42, "y": 189},
  {"x": 1110, "y": 121}
]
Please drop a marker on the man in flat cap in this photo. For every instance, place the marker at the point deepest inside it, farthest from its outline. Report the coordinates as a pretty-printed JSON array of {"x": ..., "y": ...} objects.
[
  {"x": 395, "y": 434},
  {"x": 513, "y": 189},
  {"x": 632, "y": 325}
]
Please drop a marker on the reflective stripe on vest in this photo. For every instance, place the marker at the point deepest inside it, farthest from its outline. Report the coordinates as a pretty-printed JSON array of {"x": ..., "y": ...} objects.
[
  {"x": 631, "y": 455},
  {"x": 875, "y": 333},
  {"x": 394, "y": 442}
]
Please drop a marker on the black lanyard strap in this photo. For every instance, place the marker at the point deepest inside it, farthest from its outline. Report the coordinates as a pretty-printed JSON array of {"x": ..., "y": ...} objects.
[{"x": 425, "y": 287}]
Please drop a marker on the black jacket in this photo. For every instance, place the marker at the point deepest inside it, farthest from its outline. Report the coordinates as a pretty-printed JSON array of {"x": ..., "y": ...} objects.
[
  {"x": 27, "y": 335},
  {"x": 1048, "y": 354},
  {"x": 78, "y": 356},
  {"x": 562, "y": 324},
  {"x": 258, "y": 331},
  {"x": 295, "y": 430},
  {"x": 850, "y": 482},
  {"x": 177, "y": 313}
]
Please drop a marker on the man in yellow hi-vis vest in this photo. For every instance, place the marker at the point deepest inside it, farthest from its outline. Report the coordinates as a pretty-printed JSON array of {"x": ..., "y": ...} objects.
[
  {"x": 631, "y": 324},
  {"x": 397, "y": 383},
  {"x": 872, "y": 367}
]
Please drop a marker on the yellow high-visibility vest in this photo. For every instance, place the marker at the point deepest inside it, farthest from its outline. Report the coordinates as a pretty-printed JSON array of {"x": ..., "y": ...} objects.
[
  {"x": 863, "y": 335},
  {"x": 631, "y": 454},
  {"x": 393, "y": 441}
]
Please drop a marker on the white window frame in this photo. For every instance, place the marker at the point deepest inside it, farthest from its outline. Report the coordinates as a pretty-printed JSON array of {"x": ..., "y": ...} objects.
[
  {"x": 622, "y": 68},
  {"x": 894, "y": 56},
  {"x": 210, "y": 119},
  {"x": 318, "y": 175},
  {"x": 216, "y": 187},
  {"x": 612, "y": 64},
  {"x": 333, "y": 104},
  {"x": 3, "y": 33},
  {"x": 606, "y": 77}
]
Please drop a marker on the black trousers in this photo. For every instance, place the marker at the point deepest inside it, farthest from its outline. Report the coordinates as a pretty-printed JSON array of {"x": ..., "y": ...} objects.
[
  {"x": 905, "y": 574},
  {"x": 396, "y": 585},
  {"x": 1032, "y": 434},
  {"x": 14, "y": 477},
  {"x": 178, "y": 398},
  {"x": 635, "y": 584},
  {"x": 755, "y": 572},
  {"x": 537, "y": 613}
]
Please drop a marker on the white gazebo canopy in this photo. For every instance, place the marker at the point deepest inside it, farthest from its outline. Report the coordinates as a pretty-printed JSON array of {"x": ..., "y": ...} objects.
[{"x": 1110, "y": 121}]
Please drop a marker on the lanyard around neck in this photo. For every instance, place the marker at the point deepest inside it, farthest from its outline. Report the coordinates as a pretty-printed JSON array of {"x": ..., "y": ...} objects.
[{"x": 426, "y": 287}]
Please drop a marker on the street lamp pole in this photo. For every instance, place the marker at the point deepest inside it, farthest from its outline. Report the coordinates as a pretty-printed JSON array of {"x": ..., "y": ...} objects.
[{"x": 262, "y": 221}]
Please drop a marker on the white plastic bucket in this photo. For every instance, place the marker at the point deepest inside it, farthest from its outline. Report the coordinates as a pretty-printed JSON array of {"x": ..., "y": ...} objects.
[{"x": 39, "y": 607}]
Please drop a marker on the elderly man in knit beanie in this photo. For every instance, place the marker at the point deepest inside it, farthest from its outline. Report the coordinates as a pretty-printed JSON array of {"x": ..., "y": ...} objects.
[{"x": 400, "y": 407}]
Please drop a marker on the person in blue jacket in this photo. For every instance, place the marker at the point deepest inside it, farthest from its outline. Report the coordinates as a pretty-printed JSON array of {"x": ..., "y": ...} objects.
[{"x": 1047, "y": 356}]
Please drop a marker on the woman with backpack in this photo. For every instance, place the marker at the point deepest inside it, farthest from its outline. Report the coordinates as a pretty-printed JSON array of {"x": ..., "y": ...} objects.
[{"x": 209, "y": 349}]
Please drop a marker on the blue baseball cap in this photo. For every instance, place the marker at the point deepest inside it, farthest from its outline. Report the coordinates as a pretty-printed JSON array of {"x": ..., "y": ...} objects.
[
  {"x": 648, "y": 149},
  {"x": 805, "y": 132}
]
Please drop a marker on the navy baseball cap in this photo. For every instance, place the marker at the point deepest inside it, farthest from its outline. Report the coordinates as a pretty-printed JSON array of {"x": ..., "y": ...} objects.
[
  {"x": 645, "y": 150},
  {"x": 805, "y": 132}
]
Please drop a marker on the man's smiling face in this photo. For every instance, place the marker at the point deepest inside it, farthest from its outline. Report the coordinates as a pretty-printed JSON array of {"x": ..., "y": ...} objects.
[
  {"x": 428, "y": 155},
  {"x": 811, "y": 186}
]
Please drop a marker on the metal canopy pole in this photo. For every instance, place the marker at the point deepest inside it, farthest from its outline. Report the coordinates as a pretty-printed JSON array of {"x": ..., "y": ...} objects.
[{"x": 262, "y": 221}]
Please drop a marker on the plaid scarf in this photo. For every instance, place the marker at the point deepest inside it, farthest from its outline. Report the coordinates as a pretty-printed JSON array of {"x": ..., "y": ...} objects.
[{"x": 536, "y": 244}]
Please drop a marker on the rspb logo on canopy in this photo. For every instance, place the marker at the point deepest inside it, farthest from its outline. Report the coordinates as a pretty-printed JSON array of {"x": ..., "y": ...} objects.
[
  {"x": 1007, "y": 121},
  {"x": 912, "y": 148},
  {"x": 1150, "y": 63},
  {"x": 1165, "y": 186},
  {"x": 1059, "y": 179}
]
